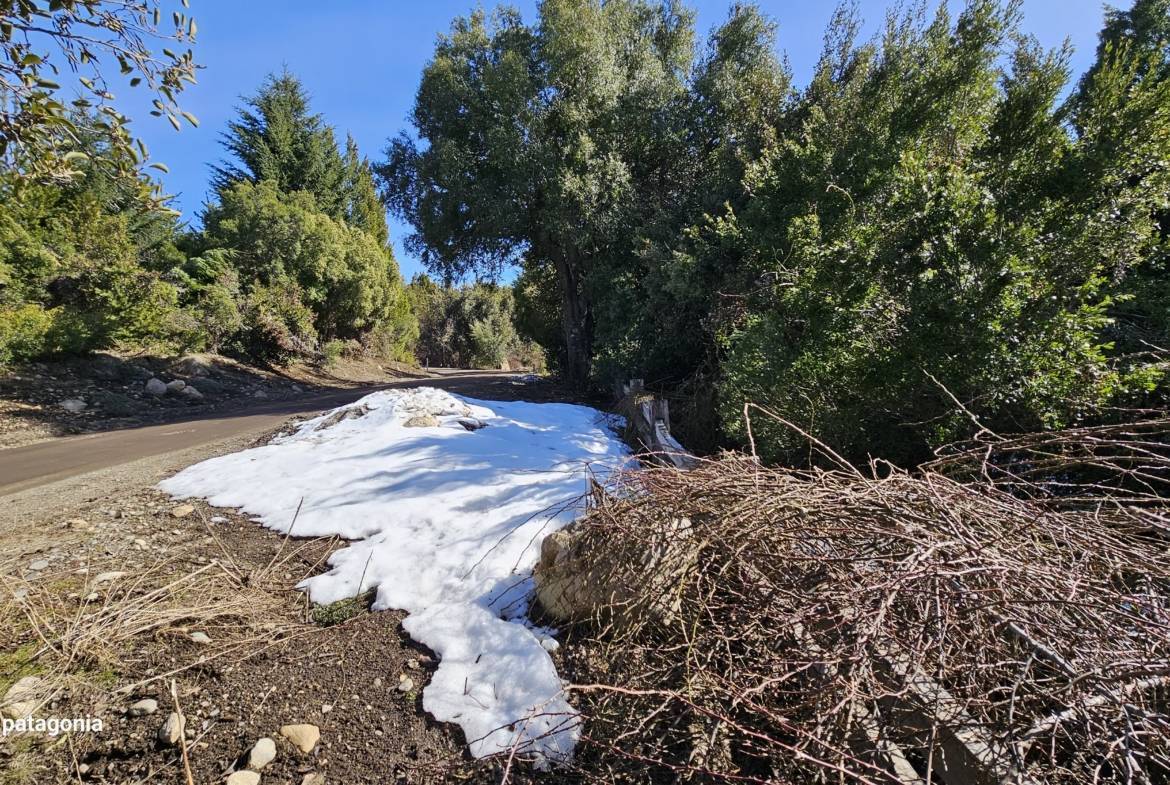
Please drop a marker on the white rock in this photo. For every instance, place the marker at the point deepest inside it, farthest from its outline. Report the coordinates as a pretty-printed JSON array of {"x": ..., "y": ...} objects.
[
  {"x": 243, "y": 778},
  {"x": 313, "y": 778},
  {"x": 39, "y": 564},
  {"x": 176, "y": 385},
  {"x": 172, "y": 730},
  {"x": 107, "y": 577},
  {"x": 263, "y": 753},
  {"x": 405, "y": 683},
  {"x": 74, "y": 405},
  {"x": 142, "y": 708},
  {"x": 182, "y": 511},
  {"x": 200, "y": 637},
  {"x": 156, "y": 387},
  {"x": 218, "y": 519},
  {"x": 303, "y": 737},
  {"x": 21, "y": 699},
  {"x": 378, "y": 682}
]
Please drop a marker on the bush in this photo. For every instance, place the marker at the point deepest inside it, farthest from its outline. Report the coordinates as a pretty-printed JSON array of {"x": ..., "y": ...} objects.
[
  {"x": 24, "y": 333},
  {"x": 277, "y": 325}
]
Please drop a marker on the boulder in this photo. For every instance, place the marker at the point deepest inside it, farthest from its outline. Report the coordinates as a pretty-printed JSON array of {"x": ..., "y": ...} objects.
[
  {"x": 577, "y": 581},
  {"x": 156, "y": 386},
  {"x": 74, "y": 405},
  {"x": 115, "y": 403},
  {"x": 176, "y": 385}
]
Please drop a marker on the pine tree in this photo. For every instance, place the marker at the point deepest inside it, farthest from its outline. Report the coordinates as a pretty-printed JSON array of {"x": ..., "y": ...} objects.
[
  {"x": 276, "y": 138},
  {"x": 361, "y": 206}
]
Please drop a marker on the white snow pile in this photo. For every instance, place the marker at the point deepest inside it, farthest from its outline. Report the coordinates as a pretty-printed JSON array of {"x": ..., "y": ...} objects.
[{"x": 447, "y": 524}]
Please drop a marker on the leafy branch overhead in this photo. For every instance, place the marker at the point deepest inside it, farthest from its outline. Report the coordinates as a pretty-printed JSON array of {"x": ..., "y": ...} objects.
[{"x": 50, "y": 48}]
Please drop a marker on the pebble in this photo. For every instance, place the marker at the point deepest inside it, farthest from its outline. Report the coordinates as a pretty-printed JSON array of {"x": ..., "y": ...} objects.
[
  {"x": 172, "y": 730},
  {"x": 182, "y": 511},
  {"x": 303, "y": 737},
  {"x": 243, "y": 778},
  {"x": 200, "y": 637},
  {"x": 313, "y": 778},
  {"x": 263, "y": 753},
  {"x": 405, "y": 683},
  {"x": 378, "y": 682},
  {"x": 142, "y": 708},
  {"x": 39, "y": 564}
]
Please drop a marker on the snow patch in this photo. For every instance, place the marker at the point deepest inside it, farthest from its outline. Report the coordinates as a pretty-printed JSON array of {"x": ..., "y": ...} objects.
[{"x": 447, "y": 525}]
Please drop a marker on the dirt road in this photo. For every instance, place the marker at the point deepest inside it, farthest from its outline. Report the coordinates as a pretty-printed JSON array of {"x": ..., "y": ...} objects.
[{"x": 24, "y": 468}]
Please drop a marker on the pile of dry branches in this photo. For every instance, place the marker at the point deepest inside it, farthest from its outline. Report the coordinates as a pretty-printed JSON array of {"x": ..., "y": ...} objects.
[{"x": 1000, "y": 616}]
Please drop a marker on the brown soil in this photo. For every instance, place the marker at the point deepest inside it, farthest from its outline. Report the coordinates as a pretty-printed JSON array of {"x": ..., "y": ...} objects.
[{"x": 274, "y": 663}]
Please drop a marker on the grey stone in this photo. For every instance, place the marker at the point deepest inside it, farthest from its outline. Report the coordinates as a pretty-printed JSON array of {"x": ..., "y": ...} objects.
[
  {"x": 263, "y": 753},
  {"x": 74, "y": 405},
  {"x": 156, "y": 387},
  {"x": 143, "y": 708},
  {"x": 172, "y": 730},
  {"x": 176, "y": 385}
]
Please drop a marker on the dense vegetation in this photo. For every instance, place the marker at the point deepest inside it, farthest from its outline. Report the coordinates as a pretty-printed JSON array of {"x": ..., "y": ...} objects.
[
  {"x": 293, "y": 258},
  {"x": 941, "y": 215}
]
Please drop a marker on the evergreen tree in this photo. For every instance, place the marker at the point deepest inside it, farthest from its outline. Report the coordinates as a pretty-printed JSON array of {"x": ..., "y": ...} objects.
[
  {"x": 276, "y": 138},
  {"x": 361, "y": 205}
]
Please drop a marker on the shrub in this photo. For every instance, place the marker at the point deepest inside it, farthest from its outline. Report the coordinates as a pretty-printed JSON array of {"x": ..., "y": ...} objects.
[{"x": 24, "y": 332}]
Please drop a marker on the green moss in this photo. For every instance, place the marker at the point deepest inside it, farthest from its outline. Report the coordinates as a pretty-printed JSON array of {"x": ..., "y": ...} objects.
[{"x": 341, "y": 611}]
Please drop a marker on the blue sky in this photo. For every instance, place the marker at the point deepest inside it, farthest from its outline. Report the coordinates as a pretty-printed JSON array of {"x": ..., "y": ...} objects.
[{"x": 361, "y": 60}]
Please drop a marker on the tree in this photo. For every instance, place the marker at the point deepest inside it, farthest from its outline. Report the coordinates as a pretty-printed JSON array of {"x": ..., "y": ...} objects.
[
  {"x": 346, "y": 277},
  {"x": 38, "y": 39},
  {"x": 538, "y": 142},
  {"x": 361, "y": 206},
  {"x": 276, "y": 138}
]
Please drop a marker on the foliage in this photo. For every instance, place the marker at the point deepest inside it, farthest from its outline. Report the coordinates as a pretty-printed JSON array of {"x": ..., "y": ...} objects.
[
  {"x": 926, "y": 223},
  {"x": 467, "y": 326},
  {"x": 39, "y": 41}
]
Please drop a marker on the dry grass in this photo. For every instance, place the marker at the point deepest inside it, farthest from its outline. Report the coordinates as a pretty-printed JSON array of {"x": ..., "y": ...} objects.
[{"x": 1001, "y": 616}]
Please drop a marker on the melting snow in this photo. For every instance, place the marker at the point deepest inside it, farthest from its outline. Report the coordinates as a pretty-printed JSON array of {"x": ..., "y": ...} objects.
[{"x": 447, "y": 525}]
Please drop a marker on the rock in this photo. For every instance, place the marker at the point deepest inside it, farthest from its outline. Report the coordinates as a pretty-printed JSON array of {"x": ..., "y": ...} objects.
[
  {"x": 172, "y": 730},
  {"x": 378, "y": 682},
  {"x": 107, "y": 577},
  {"x": 259, "y": 394},
  {"x": 405, "y": 683},
  {"x": 156, "y": 386},
  {"x": 200, "y": 637},
  {"x": 21, "y": 699},
  {"x": 143, "y": 708},
  {"x": 192, "y": 393},
  {"x": 303, "y": 737},
  {"x": 471, "y": 424},
  {"x": 313, "y": 778},
  {"x": 243, "y": 778},
  {"x": 192, "y": 366},
  {"x": 263, "y": 753},
  {"x": 78, "y": 523},
  {"x": 421, "y": 421},
  {"x": 574, "y": 583},
  {"x": 39, "y": 564},
  {"x": 182, "y": 511},
  {"x": 114, "y": 403},
  {"x": 176, "y": 385},
  {"x": 74, "y": 405}
]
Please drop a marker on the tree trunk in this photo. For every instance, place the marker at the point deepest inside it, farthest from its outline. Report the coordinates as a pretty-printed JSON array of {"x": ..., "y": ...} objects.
[{"x": 577, "y": 319}]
